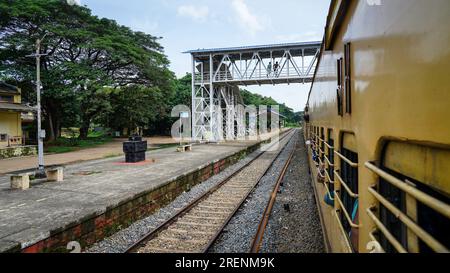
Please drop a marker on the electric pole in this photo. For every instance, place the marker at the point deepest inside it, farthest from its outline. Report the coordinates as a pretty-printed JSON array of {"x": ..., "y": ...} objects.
[{"x": 40, "y": 132}]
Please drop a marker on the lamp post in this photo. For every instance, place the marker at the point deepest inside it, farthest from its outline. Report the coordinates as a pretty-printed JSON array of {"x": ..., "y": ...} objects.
[
  {"x": 183, "y": 115},
  {"x": 40, "y": 132}
]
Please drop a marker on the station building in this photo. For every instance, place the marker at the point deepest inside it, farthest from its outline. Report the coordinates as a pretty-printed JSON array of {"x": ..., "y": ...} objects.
[{"x": 12, "y": 111}]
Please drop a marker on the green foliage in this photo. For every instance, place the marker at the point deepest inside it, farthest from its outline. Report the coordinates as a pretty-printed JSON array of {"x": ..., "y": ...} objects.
[
  {"x": 65, "y": 144},
  {"x": 59, "y": 149},
  {"x": 292, "y": 118},
  {"x": 85, "y": 54},
  {"x": 134, "y": 106},
  {"x": 96, "y": 71},
  {"x": 183, "y": 91},
  {"x": 180, "y": 96}
]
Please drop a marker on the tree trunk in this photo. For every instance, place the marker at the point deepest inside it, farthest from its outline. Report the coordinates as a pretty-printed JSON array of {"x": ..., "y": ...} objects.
[
  {"x": 84, "y": 129},
  {"x": 51, "y": 127},
  {"x": 57, "y": 128}
]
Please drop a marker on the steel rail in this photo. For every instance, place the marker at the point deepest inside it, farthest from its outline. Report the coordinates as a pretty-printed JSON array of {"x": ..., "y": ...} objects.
[
  {"x": 259, "y": 235},
  {"x": 213, "y": 239},
  {"x": 153, "y": 233}
]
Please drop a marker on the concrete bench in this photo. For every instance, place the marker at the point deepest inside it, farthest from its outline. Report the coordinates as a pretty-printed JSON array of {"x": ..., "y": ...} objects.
[
  {"x": 21, "y": 180},
  {"x": 55, "y": 174},
  {"x": 184, "y": 148}
]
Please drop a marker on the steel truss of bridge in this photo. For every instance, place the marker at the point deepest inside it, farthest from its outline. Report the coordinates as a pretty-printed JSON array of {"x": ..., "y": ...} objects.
[{"x": 218, "y": 111}]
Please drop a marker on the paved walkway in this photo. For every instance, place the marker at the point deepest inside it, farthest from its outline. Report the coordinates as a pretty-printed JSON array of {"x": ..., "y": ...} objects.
[
  {"x": 110, "y": 149},
  {"x": 89, "y": 188}
]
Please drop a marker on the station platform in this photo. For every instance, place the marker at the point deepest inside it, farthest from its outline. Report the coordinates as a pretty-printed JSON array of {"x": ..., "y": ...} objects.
[{"x": 97, "y": 198}]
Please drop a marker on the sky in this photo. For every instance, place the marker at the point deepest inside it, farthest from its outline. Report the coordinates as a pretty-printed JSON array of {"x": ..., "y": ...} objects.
[{"x": 193, "y": 24}]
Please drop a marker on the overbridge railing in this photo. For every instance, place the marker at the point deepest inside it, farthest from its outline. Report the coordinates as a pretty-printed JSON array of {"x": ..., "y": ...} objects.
[{"x": 260, "y": 74}]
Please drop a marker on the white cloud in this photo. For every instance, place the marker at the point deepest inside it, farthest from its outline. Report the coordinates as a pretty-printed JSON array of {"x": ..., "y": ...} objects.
[
  {"x": 248, "y": 21},
  {"x": 199, "y": 14},
  {"x": 74, "y": 2}
]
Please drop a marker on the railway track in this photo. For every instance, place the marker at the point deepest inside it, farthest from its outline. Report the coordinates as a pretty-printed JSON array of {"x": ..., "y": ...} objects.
[
  {"x": 196, "y": 227},
  {"x": 259, "y": 235}
]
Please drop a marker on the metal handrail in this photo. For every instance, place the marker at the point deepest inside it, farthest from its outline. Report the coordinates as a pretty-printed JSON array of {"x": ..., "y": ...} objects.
[
  {"x": 416, "y": 229},
  {"x": 254, "y": 74},
  {"x": 328, "y": 192},
  {"x": 342, "y": 230},
  {"x": 349, "y": 219},
  {"x": 319, "y": 174},
  {"x": 372, "y": 237},
  {"x": 386, "y": 233},
  {"x": 320, "y": 160},
  {"x": 328, "y": 161},
  {"x": 351, "y": 163},
  {"x": 329, "y": 146},
  {"x": 347, "y": 188},
  {"x": 329, "y": 178},
  {"x": 424, "y": 198}
]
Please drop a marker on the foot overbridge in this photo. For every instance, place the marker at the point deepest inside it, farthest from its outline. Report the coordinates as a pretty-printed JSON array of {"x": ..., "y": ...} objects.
[{"x": 218, "y": 110}]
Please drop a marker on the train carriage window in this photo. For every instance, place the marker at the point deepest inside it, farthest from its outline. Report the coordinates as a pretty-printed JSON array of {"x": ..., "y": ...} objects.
[
  {"x": 349, "y": 174},
  {"x": 322, "y": 144},
  {"x": 316, "y": 144},
  {"x": 428, "y": 174},
  {"x": 315, "y": 138},
  {"x": 330, "y": 153},
  {"x": 396, "y": 227},
  {"x": 347, "y": 80},
  {"x": 313, "y": 131},
  {"x": 339, "y": 95}
]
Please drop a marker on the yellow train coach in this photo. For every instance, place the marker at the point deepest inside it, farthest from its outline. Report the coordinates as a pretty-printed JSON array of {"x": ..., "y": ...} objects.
[{"x": 377, "y": 123}]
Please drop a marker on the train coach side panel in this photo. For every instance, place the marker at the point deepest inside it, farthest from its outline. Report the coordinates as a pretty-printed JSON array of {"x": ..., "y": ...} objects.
[{"x": 400, "y": 63}]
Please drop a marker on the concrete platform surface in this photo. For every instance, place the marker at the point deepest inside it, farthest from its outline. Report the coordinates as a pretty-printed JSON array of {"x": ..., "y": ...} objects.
[
  {"x": 110, "y": 149},
  {"x": 28, "y": 216}
]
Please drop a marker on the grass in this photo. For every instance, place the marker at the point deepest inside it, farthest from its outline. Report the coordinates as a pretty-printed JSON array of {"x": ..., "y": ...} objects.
[
  {"x": 291, "y": 125},
  {"x": 70, "y": 144},
  {"x": 59, "y": 149}
]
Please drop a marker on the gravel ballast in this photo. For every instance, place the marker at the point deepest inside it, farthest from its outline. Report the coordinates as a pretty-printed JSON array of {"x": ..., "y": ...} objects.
[
  {"x": 294, "y": 226},
  {"x": 296, "y": 231},
  {"x": 120, "y": 241},
  {"x": 238, "y": 234}
]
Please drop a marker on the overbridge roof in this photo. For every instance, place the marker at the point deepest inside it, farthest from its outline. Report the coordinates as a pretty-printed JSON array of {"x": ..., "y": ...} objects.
[{"x": 243, "y": 49}]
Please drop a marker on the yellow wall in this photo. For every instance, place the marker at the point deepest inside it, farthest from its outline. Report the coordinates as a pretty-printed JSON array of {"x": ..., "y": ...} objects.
[
  {"x": 11, "y": 124},
  {"x": 18, "y": 99},
  {"x": 400, "y": 60}
]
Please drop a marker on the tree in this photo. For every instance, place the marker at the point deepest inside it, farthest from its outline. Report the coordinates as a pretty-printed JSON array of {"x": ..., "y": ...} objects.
[
  {"x": 85, "y": 54},
  {"x": 134, "y": 106},
  {"x": 183, "y": 91},
  {"x": 250, "y": 98}
]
